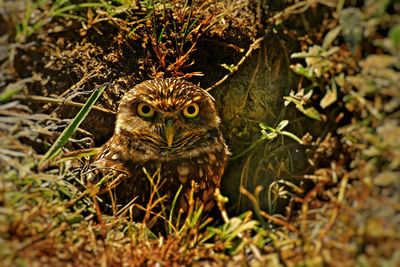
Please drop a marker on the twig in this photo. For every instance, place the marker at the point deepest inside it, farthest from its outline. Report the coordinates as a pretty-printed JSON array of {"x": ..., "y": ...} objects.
[
  {"x": 224, "y": 44},
  {"x": 251, "y": 84},
  {"x": 337, "y": 206},
  {"x": 297, "y": 8},
  {"x": 78, "y": 154},
  {"x": 85, "y": 78},
  {"x": 304, "y": 208},
  {"x": 44, "y": 99},
  {"x": 253, "y": 46},
  {"x": 220, "y": 203},
  {"x": 279, "y": 221},
  {"x": 100, "y": 218},
  {"x": 255, "y": 201}
]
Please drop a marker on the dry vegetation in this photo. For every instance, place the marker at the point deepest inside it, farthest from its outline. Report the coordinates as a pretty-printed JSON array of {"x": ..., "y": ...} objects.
[{"x": 343, "y": 208}]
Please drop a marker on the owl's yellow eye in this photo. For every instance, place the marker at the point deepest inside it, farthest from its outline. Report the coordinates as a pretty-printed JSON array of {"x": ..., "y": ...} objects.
[
  {"x": 145, "y": 110},
  {"x": 191, "y": 111}
]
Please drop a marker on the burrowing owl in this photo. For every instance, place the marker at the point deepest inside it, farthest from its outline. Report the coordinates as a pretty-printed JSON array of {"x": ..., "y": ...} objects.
[{"x": 169, "y": 126}]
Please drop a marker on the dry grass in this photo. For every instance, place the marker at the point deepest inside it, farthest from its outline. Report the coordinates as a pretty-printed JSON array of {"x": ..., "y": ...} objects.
[{"x": 351, "y": 76}]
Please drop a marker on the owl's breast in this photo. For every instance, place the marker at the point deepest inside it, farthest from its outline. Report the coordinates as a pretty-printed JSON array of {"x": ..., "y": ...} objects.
[
  {"x": 166, "y": 177},
  {"x": 204, "y": 170}
]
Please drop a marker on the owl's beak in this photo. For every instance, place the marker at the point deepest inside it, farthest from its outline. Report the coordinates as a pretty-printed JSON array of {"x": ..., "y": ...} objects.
[{"x": 169, "y": 132}]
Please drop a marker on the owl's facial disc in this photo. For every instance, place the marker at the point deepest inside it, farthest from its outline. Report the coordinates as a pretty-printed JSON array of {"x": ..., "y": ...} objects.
[{"x": 167, "y": 119}]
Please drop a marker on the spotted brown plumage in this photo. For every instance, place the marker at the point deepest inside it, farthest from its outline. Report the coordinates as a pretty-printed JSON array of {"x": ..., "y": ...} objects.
[{"x": 172, "y": 126}]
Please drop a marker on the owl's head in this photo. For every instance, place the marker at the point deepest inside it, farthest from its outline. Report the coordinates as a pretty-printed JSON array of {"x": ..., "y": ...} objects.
[{"x": 167, "y": 119}]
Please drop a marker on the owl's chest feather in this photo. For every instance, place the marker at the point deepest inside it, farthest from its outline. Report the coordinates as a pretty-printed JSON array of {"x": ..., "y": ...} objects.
[{"x": 205, "y": 170}]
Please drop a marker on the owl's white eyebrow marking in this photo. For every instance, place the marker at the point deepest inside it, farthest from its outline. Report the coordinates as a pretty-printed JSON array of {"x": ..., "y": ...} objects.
[{"x": 169, "y": 93}]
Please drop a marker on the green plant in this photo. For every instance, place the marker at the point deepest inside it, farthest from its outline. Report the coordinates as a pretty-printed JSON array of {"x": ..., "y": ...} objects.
[
  {"x": 59, "y": 8},
  {"x": 269, "y": 133},
  {"x": 69, "y": 131}
]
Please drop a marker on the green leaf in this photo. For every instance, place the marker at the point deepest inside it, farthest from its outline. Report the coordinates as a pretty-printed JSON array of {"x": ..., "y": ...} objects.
[
  {"x": 161, "y": 34},
  {"x": 68, "y": 132},
  {"x": 270, "y": 135},
  {"x": 293, "y": 136},
  {"x": 74, "y": 218},
  {"x": 331, "y": 36},
  {"x": 299, "y": 55},
  {"x": 5, "y": 96},
  {"x": 282, "y": 125},
  {"x": 196, "y": 217},
  {"x": 394, "y": 34},
  {"x": 312, "y": 113},
  {"x": 386, "y": 178},
  {"x": 231, "y": 67},
  {"x": 351, "y": 20},
  {"x": 267, "y": 128},
  {"x": 65, "y": 9},
  {"x": 330, "y": 96},
  {"x": 171, "y": 213}
]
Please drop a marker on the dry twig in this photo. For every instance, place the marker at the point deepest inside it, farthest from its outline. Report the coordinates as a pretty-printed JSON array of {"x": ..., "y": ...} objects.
[{"x": 255, "y": 45}]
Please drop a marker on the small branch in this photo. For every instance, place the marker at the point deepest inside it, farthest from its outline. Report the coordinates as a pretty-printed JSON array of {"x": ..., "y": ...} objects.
[
  {"x": 297, "y": 8},
  {"x": 224, "y": 44},
  {"x": 304, "y": 209},
  {"x": 100, "y": 218},
  {"x": 44, "y": 99},
  {"x": 279, "y": 222},
  {"x": 221, "y": 200},
  {"x": 253, "y": 46},
  {"x": 338, "y": 203}
]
